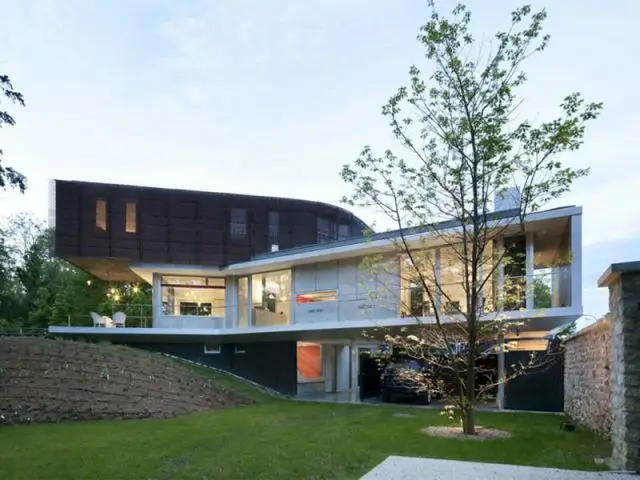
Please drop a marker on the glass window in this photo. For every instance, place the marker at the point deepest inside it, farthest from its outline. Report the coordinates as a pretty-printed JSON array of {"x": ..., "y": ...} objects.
[
  {"x": 312, "y": 297},
  {"x": 453, "y": 293},
  {"x": 193, "y": 296},
  {"x": 515, "y": 273},
  {"x": 101, "y": 214},
  {"x": 415, "y": 300},
  {"x": 271, "y": 298},
  {"x": 212, "y": 348},
  {"x": 182, "y": 280},
  {"x": 130, "y": 217},
  {"x": 326, "y": 230},
  {"x": 243, "y": 302},
  {"x": 238, "y": 222},
  {"x": 274, "y": 229},
  {"x": 344, "y": 231},
  {"x": 309, "y": 361}
]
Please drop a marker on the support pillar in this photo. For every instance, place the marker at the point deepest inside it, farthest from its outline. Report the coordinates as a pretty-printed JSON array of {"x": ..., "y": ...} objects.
[
  {"x": 530, "y": 300},
  {"x": 343, "y": 372},
  {"x": 329, "y": 368},
  {"x": 623, "y": 281},
  {"x": 576, "y": 261},
  {"x": 354, "y": 370},
  {"x": 156, "y": 299}
]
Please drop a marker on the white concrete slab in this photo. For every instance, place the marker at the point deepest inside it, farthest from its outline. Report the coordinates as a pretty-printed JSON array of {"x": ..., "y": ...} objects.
[{"x": 409, "y": 468}]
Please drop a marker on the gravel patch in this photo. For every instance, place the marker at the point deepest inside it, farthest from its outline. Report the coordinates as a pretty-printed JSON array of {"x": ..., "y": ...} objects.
[
  {"x": 409, "y": 468},
  {"x": 456, "y": 432}
]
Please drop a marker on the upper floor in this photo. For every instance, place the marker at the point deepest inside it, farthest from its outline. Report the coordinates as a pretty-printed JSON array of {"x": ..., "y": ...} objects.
[
  {"x": 335, "y": 286},
  {"x": 103, "y": 228}
]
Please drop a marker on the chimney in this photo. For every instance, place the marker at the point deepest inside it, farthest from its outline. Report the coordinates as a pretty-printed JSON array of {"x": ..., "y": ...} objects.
[{"x": 507, "y": 199}]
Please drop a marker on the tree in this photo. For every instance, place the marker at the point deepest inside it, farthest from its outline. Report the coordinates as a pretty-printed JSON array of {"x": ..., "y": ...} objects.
[
  {"x": 465, "y": 145},
  {"x": 9, "y": 177}
]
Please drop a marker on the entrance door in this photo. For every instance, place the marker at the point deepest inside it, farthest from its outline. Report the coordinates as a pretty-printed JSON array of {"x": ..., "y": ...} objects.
[{"x": 369, "y": 375}]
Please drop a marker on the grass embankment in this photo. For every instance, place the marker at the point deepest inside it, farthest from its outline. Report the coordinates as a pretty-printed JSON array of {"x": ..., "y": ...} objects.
[{"x": 275, "y": 439}]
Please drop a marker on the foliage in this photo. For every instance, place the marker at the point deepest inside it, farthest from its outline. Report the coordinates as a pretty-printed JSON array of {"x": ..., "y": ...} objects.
[
  {"x": 467, "y": 145},
  {"x": 37, "y": 289},
  {"x": 9, "y": 177}
]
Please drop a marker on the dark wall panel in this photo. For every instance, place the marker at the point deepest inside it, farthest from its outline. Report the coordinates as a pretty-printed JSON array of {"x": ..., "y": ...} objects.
[
  {"x": 539, "y": 389},
  {"x": 183, "y": 227},
  {"x": 272, "y": 364}
]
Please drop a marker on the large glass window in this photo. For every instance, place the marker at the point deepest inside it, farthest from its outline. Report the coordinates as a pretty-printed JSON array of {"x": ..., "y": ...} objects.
[
  {"x": 195, "y": 296},
  {"x": 101, "y": 214},
  {"x": 130, "y": 217},
  {"x": 274, "y": 230},
  {"x": 515, "y": 273},
  {"x": 551, "y": 281},
  {"x": 271, "y": 298},
  {"x": 416, "y": 271},
  {"x": 238, "y": 222},
  {"x": 453, "y": 293},
  {"x": 326, "y": 230}
]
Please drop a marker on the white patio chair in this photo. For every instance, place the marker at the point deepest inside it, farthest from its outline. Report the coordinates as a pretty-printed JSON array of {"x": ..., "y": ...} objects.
[
  {"x": 119, "y": 319},
  {"x": 98, "y": 320}
]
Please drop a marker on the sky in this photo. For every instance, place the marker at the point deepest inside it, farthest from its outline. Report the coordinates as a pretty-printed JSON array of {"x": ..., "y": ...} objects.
[{"x": 272, "y": 98}]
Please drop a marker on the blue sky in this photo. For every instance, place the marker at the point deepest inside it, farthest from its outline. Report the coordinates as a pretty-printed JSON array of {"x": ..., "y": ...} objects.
[{"x": 274, "y": 97}]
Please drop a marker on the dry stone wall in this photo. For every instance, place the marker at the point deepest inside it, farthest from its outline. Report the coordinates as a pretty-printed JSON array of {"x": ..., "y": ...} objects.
[{"x": 587, "y": 377}]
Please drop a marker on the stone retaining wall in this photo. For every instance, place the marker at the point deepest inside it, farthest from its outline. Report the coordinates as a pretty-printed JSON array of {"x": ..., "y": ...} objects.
[{"x": 587, "y": 384}]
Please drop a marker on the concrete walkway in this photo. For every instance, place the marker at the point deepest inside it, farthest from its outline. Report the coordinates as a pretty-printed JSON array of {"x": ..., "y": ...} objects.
[{"x": 409, "y": 468}]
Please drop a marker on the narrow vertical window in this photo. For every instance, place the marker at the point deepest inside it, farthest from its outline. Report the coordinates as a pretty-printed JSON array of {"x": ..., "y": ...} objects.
[
  {"x": 274, "y": 230},
  {"x": 344, "y": 231},
  {"x": 238, "y": 222},
  {"x": 130, "y": 217},
  {"x": 101, "y": 215}
]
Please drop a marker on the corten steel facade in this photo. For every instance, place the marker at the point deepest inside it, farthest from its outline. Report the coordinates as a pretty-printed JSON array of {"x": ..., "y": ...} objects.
[{"x": 102, "y": 228}]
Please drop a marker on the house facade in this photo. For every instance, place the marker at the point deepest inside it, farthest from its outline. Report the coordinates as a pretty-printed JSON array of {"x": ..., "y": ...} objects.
[{"x": 280, "y": 291}]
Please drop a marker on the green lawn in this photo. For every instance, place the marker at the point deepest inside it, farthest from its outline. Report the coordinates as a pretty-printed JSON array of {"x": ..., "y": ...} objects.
[{"x": 276, "y": 439}]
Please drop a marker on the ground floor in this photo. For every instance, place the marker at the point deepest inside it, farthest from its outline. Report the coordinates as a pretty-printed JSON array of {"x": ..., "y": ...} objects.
[{"x": 348, "y": 371}]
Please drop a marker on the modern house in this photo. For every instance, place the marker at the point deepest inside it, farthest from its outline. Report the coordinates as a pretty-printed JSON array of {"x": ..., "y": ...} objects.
[{"x": 277, "y": 290}]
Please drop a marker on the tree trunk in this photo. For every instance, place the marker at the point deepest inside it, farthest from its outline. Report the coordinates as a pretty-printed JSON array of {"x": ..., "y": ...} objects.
[
  {"x": 469, "y": 421},
  {"x": 468, "y": 415}
]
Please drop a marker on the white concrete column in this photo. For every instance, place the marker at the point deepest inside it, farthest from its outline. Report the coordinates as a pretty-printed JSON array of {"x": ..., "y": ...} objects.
[
  {"x": 529, "y": 265},
  {"x": 501, "y": 371},
  {"x": 329, "y": 367},
  {"x": 343, "y": 371},
  {"x": 231, "y": 302},
  {"x": 354, "y": 370},
  {"x": 576, "y": 261},
  {"x": 156, "y": 298}
]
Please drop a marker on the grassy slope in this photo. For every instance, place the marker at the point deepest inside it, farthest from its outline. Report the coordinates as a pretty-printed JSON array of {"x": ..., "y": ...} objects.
[{"x": 276, "y": 439}]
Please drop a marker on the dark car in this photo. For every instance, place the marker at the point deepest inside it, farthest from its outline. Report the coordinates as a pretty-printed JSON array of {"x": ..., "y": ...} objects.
[{"x": 405, "y": 380}]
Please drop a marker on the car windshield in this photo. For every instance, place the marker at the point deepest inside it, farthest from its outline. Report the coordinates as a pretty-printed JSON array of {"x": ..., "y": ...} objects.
[{"x": 409, "y": 365}]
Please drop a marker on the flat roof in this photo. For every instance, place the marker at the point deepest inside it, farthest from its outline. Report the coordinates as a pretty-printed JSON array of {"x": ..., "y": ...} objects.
[
  {"x": 443, "y": 225},
  {"x": 615, "y": 270}
]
